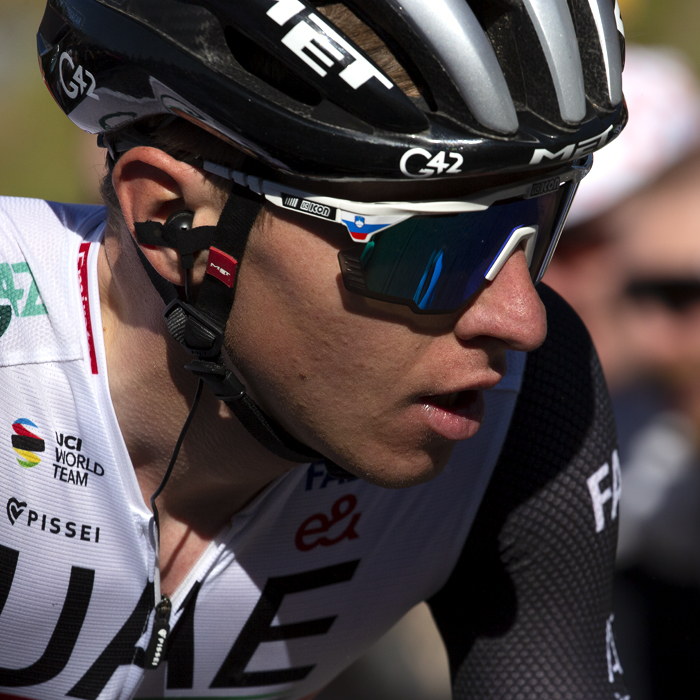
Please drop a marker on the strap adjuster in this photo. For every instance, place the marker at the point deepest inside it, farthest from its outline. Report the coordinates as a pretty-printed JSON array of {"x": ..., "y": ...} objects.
[
  {"x": 186, "y": 323},
  {"x": 223, "y": 383}
]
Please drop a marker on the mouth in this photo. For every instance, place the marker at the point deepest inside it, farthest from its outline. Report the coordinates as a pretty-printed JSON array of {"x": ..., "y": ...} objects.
[
  {"x": 452, "y": 401},
  {"x": 456, "y": 415}
]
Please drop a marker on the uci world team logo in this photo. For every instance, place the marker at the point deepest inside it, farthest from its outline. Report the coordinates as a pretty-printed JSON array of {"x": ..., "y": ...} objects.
[{"x": 27, "y": 443}]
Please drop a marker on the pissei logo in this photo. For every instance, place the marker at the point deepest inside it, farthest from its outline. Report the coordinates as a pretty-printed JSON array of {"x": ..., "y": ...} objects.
[
  {"x": 73, "y": 530},
  {"x": 26, "y": 443},
  {"x": 14, "y": 509}
]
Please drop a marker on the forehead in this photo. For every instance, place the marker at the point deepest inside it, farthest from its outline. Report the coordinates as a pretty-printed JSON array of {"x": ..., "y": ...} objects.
[{"x": 659, "y": 232}]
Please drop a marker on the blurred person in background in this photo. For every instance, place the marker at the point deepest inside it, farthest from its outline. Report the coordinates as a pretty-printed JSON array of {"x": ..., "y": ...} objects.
[{"x": 629, "y": 263}]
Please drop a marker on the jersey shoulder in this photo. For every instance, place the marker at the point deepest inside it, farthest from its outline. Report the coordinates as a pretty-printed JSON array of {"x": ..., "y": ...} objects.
[
  {"x": 22, "y": 217},
  {"x": 39, "y": 285}
]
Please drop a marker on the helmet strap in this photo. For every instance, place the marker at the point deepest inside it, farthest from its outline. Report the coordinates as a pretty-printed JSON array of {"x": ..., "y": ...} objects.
[{"x": 199, "y": 327}]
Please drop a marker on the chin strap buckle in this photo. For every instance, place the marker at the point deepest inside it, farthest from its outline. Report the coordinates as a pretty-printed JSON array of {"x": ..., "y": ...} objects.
[
  {"x": 196, "y": 331},
  {"x": 222, "y": 382}
]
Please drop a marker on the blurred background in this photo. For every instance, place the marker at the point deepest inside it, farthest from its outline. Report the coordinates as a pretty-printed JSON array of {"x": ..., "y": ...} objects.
[{"x": 629, "y": 262}]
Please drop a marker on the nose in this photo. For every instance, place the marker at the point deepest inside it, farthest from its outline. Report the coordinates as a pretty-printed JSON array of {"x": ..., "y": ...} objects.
[{"x": 508, "y": 309}]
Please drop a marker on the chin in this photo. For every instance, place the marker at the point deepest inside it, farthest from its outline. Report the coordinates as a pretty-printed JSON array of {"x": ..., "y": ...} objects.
[{"x": 403, "y": 470}]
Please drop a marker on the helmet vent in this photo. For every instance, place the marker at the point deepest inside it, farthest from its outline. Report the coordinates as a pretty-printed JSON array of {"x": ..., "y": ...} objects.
[
  {"x": 526, "y": 68},
  {"x": 391, "y": 60},
  {"x": 53, "y": 27},
  {"x": 263, "y": 65},
  {"x": 600, "y": 44},
  {"x": 555, "y": 30},
  {"x": 353, "y": 82},
  {"x": 452, "y": 32}
]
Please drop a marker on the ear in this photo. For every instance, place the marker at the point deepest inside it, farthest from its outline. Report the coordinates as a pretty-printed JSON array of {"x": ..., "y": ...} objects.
[{"x": 151, "y": 185}]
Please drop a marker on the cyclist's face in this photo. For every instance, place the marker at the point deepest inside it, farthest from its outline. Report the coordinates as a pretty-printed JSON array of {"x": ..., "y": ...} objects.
[
  {"x": 383, "y": 392},
  {"x": 659, "y": 244}
]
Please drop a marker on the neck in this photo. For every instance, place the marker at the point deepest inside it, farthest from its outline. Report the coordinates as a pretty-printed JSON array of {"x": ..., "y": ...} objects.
[{"x": 220, "y": 467}]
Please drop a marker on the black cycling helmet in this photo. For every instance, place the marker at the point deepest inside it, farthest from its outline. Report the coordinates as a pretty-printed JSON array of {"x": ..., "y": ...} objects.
[{"x": 502, "y": 85}]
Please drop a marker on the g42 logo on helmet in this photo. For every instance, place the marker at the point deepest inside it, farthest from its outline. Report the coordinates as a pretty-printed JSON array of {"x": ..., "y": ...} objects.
[
  {"x": 77, "y": 84},
  {"x": 431, "y": 165}
]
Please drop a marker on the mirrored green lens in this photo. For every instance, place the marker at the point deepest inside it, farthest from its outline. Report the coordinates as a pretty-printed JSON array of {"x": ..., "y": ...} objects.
[{"x": 435, "y": 263}]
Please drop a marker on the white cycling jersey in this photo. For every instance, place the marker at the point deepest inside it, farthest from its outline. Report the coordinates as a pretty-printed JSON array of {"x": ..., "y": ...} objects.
[{"x": 291, "y": 591}]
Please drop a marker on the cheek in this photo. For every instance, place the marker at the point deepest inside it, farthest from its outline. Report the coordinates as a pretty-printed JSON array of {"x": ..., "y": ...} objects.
[
  {"x": 313, "y": 356},
  {"x": 289, "y": 328},
  {"x": 296, "y": 329},
  {"x": 339, "y": 374}
]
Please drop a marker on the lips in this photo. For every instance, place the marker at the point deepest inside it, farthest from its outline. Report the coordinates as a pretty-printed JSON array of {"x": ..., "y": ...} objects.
[{"x": 456, "y": 415}]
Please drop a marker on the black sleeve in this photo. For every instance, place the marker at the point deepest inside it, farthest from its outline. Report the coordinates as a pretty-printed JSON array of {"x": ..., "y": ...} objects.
[{"x": 526, "y": 613}]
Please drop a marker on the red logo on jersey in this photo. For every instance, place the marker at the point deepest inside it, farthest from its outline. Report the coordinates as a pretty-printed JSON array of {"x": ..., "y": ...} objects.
[
  {"x": 314, "y": 529},
  {"x": 85, "y": 296}
]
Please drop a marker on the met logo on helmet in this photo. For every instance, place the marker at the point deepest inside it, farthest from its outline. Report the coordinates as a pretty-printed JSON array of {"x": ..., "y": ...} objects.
[
  {"x": 573, "y": 150},
  {"x": 77, "y": 85},
  {"x": 320, "y": 47}
]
